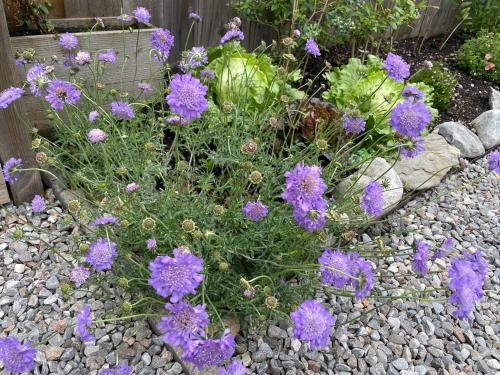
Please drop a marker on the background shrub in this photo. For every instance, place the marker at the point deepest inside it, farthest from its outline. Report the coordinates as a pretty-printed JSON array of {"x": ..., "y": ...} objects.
[{"x": 480, "y": 56}]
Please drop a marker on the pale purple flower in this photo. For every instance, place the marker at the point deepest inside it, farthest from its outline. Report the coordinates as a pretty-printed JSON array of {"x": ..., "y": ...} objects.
[
  {"x": 187, "y": 96},
  {"x": 313, "y": 217},
  {"x": 339, "y": 268},
  {"x": 68, "y": 62},
  {"x": 96, "y": 136},
  {"x": 16, "y": 358},
  {"x": 107, "y": 56},
  {"x": 441, "y": 252},
  {"x": 194, "y": 16},
  {"x": 82, "y": 58},
  {"x": 122, "y": 110},
  {"x": 176, "y": 277},
  {"x": 396, "y": 67},
  {"x": 10, "y": 95},
  {"x": 232, "y": 34},
  {"x": 21, "y": 61},
  {"x": 255, "y": 210},
  {"x": 101, "y": 253},
  {"x": 372, "y": 200},
  {"x": 151, "y": 244},
  {"x": 93, "y": 116},
  {"x": 354, "y": 124},
  {"x": 409, "y": 118},
  {"x": 236, "y": 367},
  {"x": 210, "y": 352},
  {"x": 79, "y": 275},
  {"x": 411, "y": 147},
  {"x": 141, "y": 14},
  {"x": 296, "y": 33},
  {"x": 104, "y": 220},
  {"x": 10, "y": 169},
  {"x": 38, "y": 203},
  {"x": 363, "y": 271},
  {"x": 68, "y": 41},
  {"x": 83, "y": 322},
  {"x": 312, "y": 47},
  {"x": 38, "y": 79},
  {"x": 121, "y": 369},
  {"x": 419, "y": 261},
  {"x": 312, "y": 324},
  {"x": 304, "y": 186},
  {"x": 162, "y": 40},
  {"x": 60, "y": 93},
  {"x": 411, "y": 92},
  {"x": 194, "y": 58},
  {"x": 207, "y": 75},
  {"x": 144, "y": 87},
  {"x": 133, "y": 186},
  {"x": 494, "y": 161}
]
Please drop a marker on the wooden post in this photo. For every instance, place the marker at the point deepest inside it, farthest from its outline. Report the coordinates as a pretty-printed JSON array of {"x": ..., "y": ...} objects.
[{"x": 15, "y": 140}]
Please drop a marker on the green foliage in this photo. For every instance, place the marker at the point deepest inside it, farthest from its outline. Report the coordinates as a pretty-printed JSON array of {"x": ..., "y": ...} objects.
[
  {"x": 443, "y": 83},
  {"x": 479, "y": 15},
  {"x": 32, "y": 14},
  {"x": 481, "y": 57}
]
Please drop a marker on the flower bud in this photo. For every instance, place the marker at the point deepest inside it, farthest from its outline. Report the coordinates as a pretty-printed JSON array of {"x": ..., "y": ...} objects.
[
  {"x": 188, "y": 226},
  {"x": 65, "y": 288},
  {"x": 148, "y": 223},
  {"x": 121, "y": 171},
  {"x": 245, "y": 284},
  {"x": 255, "y": 177},
  {"x": 322, "y": 144},
  {"x": 271, "y": 302},
  {"x": 84, "y": 247},
  {"x": 113, "y": 92},
  {"x": 273, "y": 121},
  {"x": 198, "y": 234},
  {"x": 18, "y": 234},
  {"x": 127, "y": 306},
  {"x": 74, "y": 206},
  {"x": 182, "y": 165},
  {"x": 223, "y": 267},
  {"x": 124, "y": 223},
  {"x": 36, "y": 143},
  {"x": 123, "y": 282},
  {"x": 249, "y": 147},
  {"x": 150, "y": 146},
  {"x": 216, "y": 254},
  {"x": 218, "y": 210},
  {"x": 267, "y": 291},
  {"x": 247, "y": 164}
]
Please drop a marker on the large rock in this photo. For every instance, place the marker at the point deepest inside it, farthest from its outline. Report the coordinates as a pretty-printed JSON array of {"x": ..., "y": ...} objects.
[
  {"x": 494, "y": 99},
  {"x": 427, "y": 169},
  {"x": 462, "y": 138},
  {"x": 377, "y": 169},
  {"x": 487, "y": 126}
]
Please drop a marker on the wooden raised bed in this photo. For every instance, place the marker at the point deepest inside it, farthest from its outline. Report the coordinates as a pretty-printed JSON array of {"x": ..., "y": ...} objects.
[{"x": 4, "y": 194}]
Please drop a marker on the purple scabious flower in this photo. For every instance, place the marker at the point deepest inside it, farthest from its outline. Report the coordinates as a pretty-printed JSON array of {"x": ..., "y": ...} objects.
[
  {"x": 106, "y": 219},
  {"x": 396, "y": 67},
  {"x": 38, "y": 79},
  {"x": 312, "y": 218},
  {"x": 68, "y": 62},
  {"x": 312, "y": 47},
  {"x": 194, "y": 58},
  {"x": 210, "y": 352},
  {"x": 232, "y": 34},
  {"x": 122, "y": 110},
  {"x": 10, "y": 169},
  {"x": 10, "y": 95},
  {"x": 16, "y": 357},
  {"x": 336, "y": 261},
  {"x": 96, "y": 136},
  {"x": 409, "y": 118},
  {"x": 207, "y": 75},
  {"x": 441, "y": 252},
  {"x": 411, "y": 147},
  {"x": 304, "y": 186},
  {"x": 175, "y": 277},
  {"x": 82, "y": 58},
  {"x": 419, "y": 261},
  {"x": 312, "y": 323},
  {"x": 372, "y": 200},
  {"x": 60, "y": 93},
  {"x": 235, "y": 368},
  {"x": 141, "y": 14},
  {"x": 83, "y": 322},
  {"x": 144, "y": 87},
  {"x": 133, "y": 186},
  {"x": 151, "y": 244},
  {"x": 494, "y": 161},
  {"x": 255, "y": 210},
  {"x": 184, "y": 323},
  {"x": 101, "y": 254},
  {"x": 411, "y": 92},
  {"x": 121, "y": 369},
  {"x": 68, "y": 41},
  {"x": 354, "y": 125},
  {"x": 38, "y": 203},
  {"x": 194, "y": 16},
  {"x": 21, "y": 61},
  {"x": 79, "y": 275},
  {"x": 107, "y": 56},
  {"x": 187, "y": 96},
  {"x": 93, "y": 116},
  {"x": 363, "y": 271},
  {"x": 162, "y": 40}
]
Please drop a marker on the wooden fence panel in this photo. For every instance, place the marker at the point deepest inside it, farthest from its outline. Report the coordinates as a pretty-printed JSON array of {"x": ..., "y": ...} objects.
[
  {"x": 4, "y": 194},
  {"x": 92, "y": 8}
]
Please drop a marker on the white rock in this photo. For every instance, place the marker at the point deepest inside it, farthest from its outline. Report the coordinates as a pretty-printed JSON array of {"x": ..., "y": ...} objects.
[
  {"x": 494, "y": 99},
  {"x": 462, "y": 138},
  {"x": 487, "y": 126},
  {"x": 19, "y": 268}
]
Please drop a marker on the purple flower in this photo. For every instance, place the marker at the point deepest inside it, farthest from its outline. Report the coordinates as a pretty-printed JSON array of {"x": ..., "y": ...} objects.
[
  {"x": 255, "y": 210},
  {"x": 313, "y": 217},
  {"x": 68, "y": 41},
  {"x": 419, "y": 262},
  {"x": 210, "y": 352},
  {"x": 10, "y": 95},
  {"x": 312, "y": 323},
  {"x": 151, "y": 244},
  {"x": 339, "y": 262},
  {"x": 363, "y": 271},
  {"x": 411, "y": 147},
  {"x": 411, "y": 92},
  {"x": 409, "y": 118},
  {"x": 82, "y": 58},
  {"x": 10, "y": 169},
  {"x": 232, "y": 34},
  {"x": 396, "y": 67},
  {"x": 312, "y": 47},
  {"x": 21, "y": 61},
  {"x": 60, "y": 93},
  {"x": 194, "y": 58},
  {"x": 133, "y": 186},
  {"x": 68, "y": 62},
  {"x": 207, "y": 75},
  {"x": 93, "y": 116},
  {"x": 494, "y": 161},
  {"x": 79, "y": 275},
  {"x": 122, "y": 110},
  {"x": 304, "y": 186},
  {"x": 106, "y": 219},
  {"x": 194, "y": 16},
  {"x": 141, "y": 14},
  {"x": 441, "y": 252},
  {"x": 175, "y": 277},
  {"x": 84, "y": 321},
  {"x": 467, "y": 274},
  {"x": 96, "y": 136},
  {"x": 38, "y": 79},
  {"x": 235, "y": 368},
  {"x": 184, "y": 323},
  {"x": 16, "y": 358},
  {"x": 162, "y": 40},
  {"x": 144, "y": 87},
  {"x": 372, "y": 200},
  {"x": 354, "y": 125},
  {"x": 108, "y": 56},
  {"x": 187, "y": 96},
  {"x": 121, "y": 369},
  {"x": 124, "y": 18},
  {"x": 38, "y": 203},
  {"x": 101, "y": 254}
]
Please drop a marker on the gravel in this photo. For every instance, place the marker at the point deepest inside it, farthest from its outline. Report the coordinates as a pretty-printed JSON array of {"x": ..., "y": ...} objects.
[{"x": 405, "y": 337}]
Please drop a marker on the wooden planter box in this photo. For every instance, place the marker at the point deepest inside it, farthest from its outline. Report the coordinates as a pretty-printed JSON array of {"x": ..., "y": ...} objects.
[{"x": 47, "y": 45}]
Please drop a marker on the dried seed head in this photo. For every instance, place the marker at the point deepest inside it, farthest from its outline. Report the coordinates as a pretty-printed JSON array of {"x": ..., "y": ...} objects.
[
  {"x": 227, "y": 106},
  {"x": 183, "y": 249},
  {"x": 123, "y": 282},
  {"x": 249, "y": 147},
  {"x": 218, "y": 210},
  {"x": 41, "y": 157},
  {"x": 150, "y": 146},
  {"x": 148, "y": 223},
  {"x": 223, "y": 267},
  {"x": 247, "y": 164},
  {"x": 127, "y": 306},
  {"x": 36, "y": 143},
  {"x": 271, "y": 302},
  {"x": 188, "y": 226},
  {"x": 273, "y": 121},
  {"x": 285, "y": 99},
  {"x": 322, "y": 144},
  {"x": 198, "y": 234},
  {"x": 255, "y": 177},
  {"x": 124, "y": 223},
  {"x": 121, "y": 171},
  {"x": 287, "y": 41},
  {"x": 74, "y": 206}
]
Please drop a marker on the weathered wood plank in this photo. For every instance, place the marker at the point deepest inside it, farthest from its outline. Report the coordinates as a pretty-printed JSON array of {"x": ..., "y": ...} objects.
[
  {"x": 92, "y": 8},
  {"x": 4, "y": 194}
]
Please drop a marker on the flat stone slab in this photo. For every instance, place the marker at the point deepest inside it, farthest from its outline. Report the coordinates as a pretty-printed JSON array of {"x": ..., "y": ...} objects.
[
  {"x": 487, "y": 126},
  {"x": 494, "y": 99},
  {"x": 428, "y": 168},
  {"x": 465, "y": 140}
]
